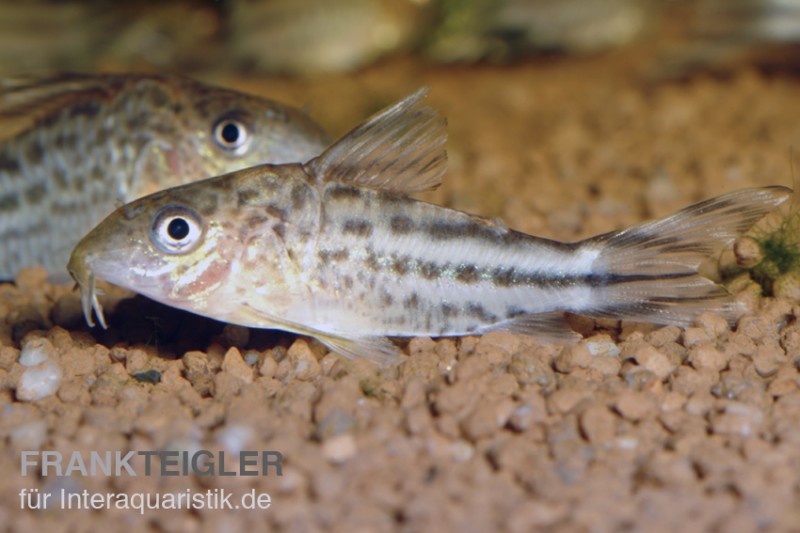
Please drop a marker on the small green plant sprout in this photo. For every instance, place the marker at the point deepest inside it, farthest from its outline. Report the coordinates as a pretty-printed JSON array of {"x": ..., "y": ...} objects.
[{"x": 771, "y": 252}]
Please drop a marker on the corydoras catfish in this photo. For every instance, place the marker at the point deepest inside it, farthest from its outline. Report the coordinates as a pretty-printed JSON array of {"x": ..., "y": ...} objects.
[
  {"x": 337, "y": 250},
  {"x": 75, "y": 147}
]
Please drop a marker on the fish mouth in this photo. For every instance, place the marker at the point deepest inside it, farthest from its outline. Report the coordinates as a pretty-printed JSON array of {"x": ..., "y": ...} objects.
[{"x": 84, "y": 278}]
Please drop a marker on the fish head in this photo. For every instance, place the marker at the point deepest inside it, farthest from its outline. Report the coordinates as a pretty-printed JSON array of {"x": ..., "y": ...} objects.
[
  {"x": 232, "y": 130},
  {"x": 170, "y": 246},
  {"x": 209, "y": 131}
]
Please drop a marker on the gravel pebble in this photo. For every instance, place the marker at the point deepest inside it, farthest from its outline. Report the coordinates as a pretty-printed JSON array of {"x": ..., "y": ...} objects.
[
  {"x": 198, "y": 371},
  {"x": 414, "y": 394},
  {"x": 340, "y": 448},
  {"x": 565, "y": 400},
  {"x": 768, "y": 360},
  {"x": 39, "y": 382},
  {"x": 36, "y": 351},
  {"x": 755, "y": 327},
  {"x": 747, "y": 251},
  {"x": 699, "y": 404},
  {"x": 787, "y": 286},
  {"x": 781, "y": 386},
  {"x": 695, "y": 336},
  {"x": 8, "y": 357},
  {"x": 636, "y": 405},
  {"x": 461, "y": 451},
  {"x": 530, "y": 368},
  {"x": 234, "y": 364},
  {"x": 707, "y": 357},
  {"x": 487, "y": 418},
  {"x": 268, "y": 366},
  {"x": 573, "y": 356},
  {"x": 598, "y": 424},
  {"x": 235, "y": 438},
  {"x": 29, "y": 436},
  {"x": 738, "y": 419},
  {"x": 602, "y": 345},
  {"x": 521, "y": 417},
  {"x": 335, "y": 422},
  {"x": 300, "y": 362},
  {"x": 655, "y": 361},
  {"x": 663, "y": 335},
  {"x": 715, "y": 325}
]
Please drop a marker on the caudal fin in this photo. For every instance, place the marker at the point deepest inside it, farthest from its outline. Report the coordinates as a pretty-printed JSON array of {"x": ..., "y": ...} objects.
[{"x": 649, "y": 273}]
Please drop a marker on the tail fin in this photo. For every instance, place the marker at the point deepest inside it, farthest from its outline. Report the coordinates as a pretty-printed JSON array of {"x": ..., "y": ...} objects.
[{"x": 650, "y": 273}]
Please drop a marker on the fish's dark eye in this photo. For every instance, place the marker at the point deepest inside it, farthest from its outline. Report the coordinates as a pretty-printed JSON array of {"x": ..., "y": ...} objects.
[
  {"x": 176, "y": 230},
  {"x": 231, "y": 135}
]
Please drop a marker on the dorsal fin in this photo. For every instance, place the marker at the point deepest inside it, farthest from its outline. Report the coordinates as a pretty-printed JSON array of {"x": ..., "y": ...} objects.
[{"x": 401, "y": 149}]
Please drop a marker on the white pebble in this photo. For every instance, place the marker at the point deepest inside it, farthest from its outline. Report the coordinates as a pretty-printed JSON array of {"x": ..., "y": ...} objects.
[
  {"x": 234, "y": 438},
  {"x": 290, "y": 481},
  {"x": 29, "y": 436},
  {"x": 462, "y": 451},
  {"x": 35, "y": 352},
  {"x": 251, "y": 357},
  {"x": 627, "y": 443},
  {"x": 602, "y": 348},
  {"x": 39, "y": 382},
  {"x": 339, "y": 449}
]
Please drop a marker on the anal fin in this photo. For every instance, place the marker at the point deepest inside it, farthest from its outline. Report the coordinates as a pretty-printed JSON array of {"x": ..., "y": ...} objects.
[
  {"x": 547, "y": 327},
  {"x": 379, "y": 350}
]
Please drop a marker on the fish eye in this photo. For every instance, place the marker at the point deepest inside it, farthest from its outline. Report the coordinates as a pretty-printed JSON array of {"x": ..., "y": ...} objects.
[
  {"x": 176, "y": 230},
  {"x": 232, "y": 135}
]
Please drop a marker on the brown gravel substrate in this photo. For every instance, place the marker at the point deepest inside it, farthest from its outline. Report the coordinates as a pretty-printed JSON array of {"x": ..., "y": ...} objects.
[{"x": 636, "y": 428}]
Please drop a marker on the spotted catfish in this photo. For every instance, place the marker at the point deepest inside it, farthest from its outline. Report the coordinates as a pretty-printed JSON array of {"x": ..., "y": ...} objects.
[
  {"x": 74, "y": 147},
  {"x": 336, "y": 249}
]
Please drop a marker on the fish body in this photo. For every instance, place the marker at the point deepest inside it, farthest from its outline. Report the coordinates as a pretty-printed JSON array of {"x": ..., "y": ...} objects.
[
  {"x": 336, "y": 249},
  {"x": 75, "y": 147}
]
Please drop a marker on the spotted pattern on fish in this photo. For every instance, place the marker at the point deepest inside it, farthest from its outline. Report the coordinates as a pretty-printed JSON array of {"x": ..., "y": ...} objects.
[
  {"x": 401, "y": 225},
  {"x": 9, "y": 165},
  {"x": 9, "y": 202},
  {"x": 359, "y": 227},
  {"x": 246, "y": 196}
]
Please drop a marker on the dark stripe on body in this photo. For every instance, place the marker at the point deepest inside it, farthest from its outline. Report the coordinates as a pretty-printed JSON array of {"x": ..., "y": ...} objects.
[
  {"x": 344, "y": 192},
  {"x": 469, "y": 274},
  {"x": 275, "y": 211},
  {"x": 35, "y": 193},
  {"x": 401, "y": 225},
  {"x": 301, "y": 194},
  {"x": 9, "y": 202},
  {"x": 35, "y": 152},
  {"x": 246, "y": 196},
  {"x": 358, "y": 227},
  {"x": 9, "y": 164}
]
